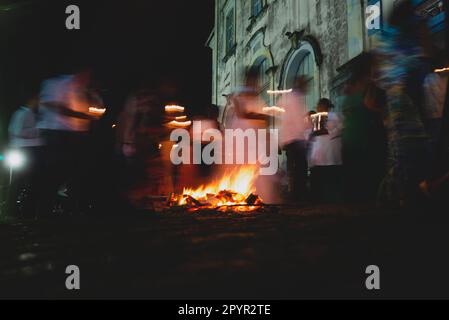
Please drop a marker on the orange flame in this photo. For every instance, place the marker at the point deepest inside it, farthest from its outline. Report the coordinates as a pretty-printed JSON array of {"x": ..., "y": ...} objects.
[{"x": 231, "y": 190}]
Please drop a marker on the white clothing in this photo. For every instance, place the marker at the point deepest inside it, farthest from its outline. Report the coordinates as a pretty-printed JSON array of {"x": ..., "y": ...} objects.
[
  {"x": 62, "y": 90},
  {"x": 326, "y": 149},
  {"x": 292, "y": 120},
  {"x": 22, "y": 129}
]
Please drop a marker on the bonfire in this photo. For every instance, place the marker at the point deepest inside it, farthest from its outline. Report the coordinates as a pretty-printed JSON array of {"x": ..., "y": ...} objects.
[{"x": 234, "y": 191}]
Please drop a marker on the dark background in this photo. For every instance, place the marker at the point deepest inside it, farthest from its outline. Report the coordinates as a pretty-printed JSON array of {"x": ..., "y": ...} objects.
[{"x": 127, "y": 44}]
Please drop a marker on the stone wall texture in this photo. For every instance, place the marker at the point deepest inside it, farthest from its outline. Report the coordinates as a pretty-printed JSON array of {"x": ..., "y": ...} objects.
[{"x": 329, "y": 23}]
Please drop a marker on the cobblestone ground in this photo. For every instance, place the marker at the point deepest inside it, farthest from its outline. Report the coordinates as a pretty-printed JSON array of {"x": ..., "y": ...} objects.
[{"x": 310, "y": 252}]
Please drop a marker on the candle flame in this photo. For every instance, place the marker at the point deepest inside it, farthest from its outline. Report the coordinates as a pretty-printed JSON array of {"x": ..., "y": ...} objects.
[
  {"x": 441, "y": 70},
  {"x": 273, "y": 109},
  {"x": 98, "y": 111},
  {"x": 174, "y": 108},
  {"x": 272, "y": 92},
  {"x": 180, "y": 124}
]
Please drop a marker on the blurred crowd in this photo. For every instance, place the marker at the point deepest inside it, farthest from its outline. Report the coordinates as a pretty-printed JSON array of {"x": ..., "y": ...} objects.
[{"x": 386, "y": 143}]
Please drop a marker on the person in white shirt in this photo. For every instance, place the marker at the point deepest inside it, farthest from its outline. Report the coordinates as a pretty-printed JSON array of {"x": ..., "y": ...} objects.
[
  {"x": 23, "y": 132},
  {"x": 64, "y": 119},
  {"x": 325, "y": 158},
  {"x": 293, "y": 139},
  {"x": 25, "y": 137},
  {"x": 249, "y": 114}
]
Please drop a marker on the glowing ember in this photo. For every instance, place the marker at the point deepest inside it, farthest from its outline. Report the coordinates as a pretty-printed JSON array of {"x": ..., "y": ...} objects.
[{"x": 235, "y": 191}]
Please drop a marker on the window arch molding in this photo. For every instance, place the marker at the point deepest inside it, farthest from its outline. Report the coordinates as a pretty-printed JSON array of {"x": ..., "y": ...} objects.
[
  {"x": 303, "y": 60},
  {"x": 260, "y": 56}
]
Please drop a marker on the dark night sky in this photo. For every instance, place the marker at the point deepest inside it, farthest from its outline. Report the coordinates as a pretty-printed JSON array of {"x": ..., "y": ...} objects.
[{"x": 126, "y": 43}]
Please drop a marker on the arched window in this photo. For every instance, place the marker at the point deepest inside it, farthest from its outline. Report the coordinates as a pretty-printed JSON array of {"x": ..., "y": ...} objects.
[
  {"x": 264, "y": 79},
  {"x": 302, "y": 63}
]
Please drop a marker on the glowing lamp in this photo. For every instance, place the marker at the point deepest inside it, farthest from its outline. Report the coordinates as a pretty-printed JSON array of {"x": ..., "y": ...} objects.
[{"x": 14, "y": 159}]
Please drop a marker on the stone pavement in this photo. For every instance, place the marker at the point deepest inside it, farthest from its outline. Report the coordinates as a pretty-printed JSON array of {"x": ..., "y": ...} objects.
[{"x": 290, "y": 253}]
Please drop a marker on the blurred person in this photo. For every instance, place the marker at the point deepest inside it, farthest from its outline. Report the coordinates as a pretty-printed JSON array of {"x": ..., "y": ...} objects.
[
  {"x": 197, "y": 174},
  {"x": 436, "y": 85},
  {"x": 403, "y": 54},
  {"x": 142, "y": 145},
  {"x": 363, "y": 137},
  {"x": 64, "y": 120},
  {"x": 248, "y": 113},
  {"x": 209, "y": 121},
  {"x": 25, "y": 137},
  {"x": 325, "y": 159},
  {"x": 293, "y": 138},
  {"x": 435, "y": 91}
]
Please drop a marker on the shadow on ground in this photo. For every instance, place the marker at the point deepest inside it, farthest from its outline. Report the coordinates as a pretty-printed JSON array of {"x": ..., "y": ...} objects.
[{"x": 292, "y": 253}]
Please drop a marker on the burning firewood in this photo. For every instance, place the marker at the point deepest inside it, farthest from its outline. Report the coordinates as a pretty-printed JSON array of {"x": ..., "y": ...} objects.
[
  {"x": 191, "y": 201},
  {"x": 253, "y": 199},
  {"x": 234, "y": 192}
]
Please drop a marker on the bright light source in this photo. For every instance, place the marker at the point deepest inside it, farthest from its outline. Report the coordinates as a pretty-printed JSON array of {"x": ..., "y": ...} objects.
[{"x": 14, "y": 159}]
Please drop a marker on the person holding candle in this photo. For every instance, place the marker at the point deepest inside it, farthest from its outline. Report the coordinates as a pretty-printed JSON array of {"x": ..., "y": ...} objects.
[
  {"x": 325, "y": 158},
  {"x": 64, "y": 119},
  {"x": 293, "y": 138}
]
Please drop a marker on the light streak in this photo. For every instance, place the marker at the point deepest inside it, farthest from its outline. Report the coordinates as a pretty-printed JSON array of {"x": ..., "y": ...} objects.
[
  {"x": 273, "y": 109},
  {"x": 441, "y": 70},
  {"x": 180, "y": 124},
  {"x": 97, "y": 111},
  {"x": 174, "y": 108},
  {"x": 272, "y": 92}
]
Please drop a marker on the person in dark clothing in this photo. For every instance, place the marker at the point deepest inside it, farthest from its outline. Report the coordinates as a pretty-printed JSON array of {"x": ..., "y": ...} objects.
[{"x": 364, "y": 140}]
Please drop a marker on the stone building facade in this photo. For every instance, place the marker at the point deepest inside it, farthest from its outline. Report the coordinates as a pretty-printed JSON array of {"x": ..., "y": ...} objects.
[{"x": 284, "y": 38}]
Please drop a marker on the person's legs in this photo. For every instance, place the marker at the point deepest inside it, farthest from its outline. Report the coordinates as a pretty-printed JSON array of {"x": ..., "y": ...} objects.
[
  {"x": 29, "y": 205},
  {"x": 316, "y": 184},
  {"x": 297, "y": 170},
  {"x": 331, "y": 180},
  {"x": 52, "y": 173}
]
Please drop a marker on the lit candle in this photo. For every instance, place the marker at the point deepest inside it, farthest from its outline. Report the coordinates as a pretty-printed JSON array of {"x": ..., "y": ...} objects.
[
  {"x": 441, "y": 70},
  {"x": 273, "y": 109},
  {"x": 174, "y": 108},
  {"x": 272, "y": 92},
  {"x": 180, "y": 124},
  {"x": 97, "y": 111}
]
